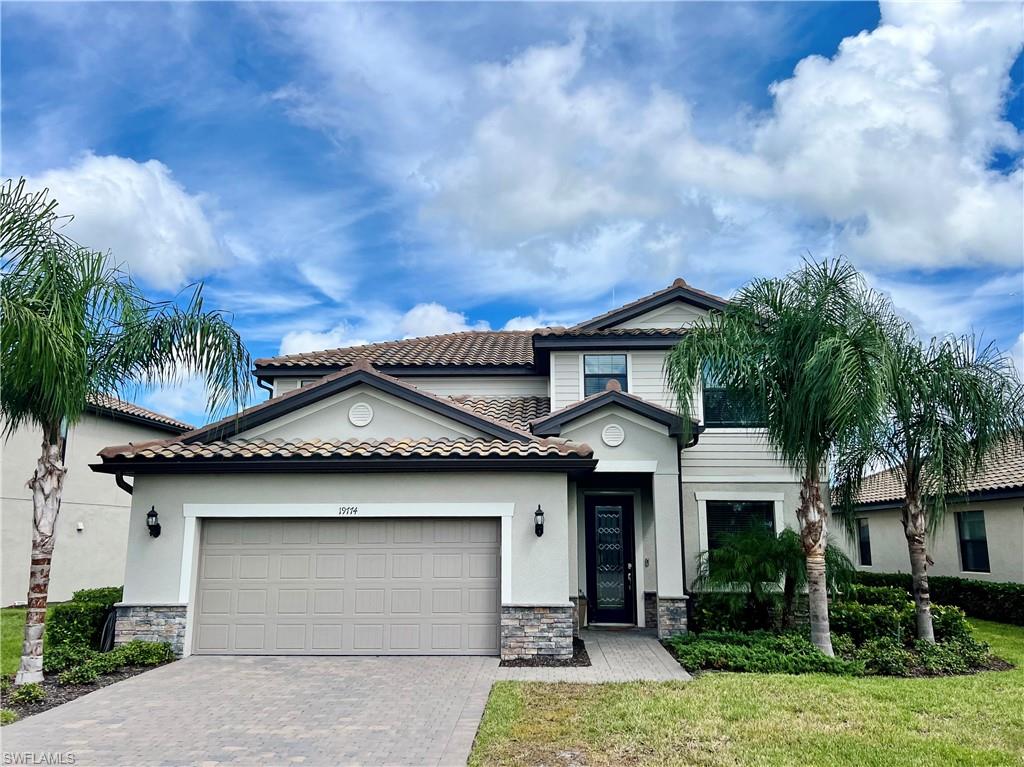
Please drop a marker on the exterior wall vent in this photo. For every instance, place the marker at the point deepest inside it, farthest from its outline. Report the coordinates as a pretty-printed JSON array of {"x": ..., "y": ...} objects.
[
  {"x": 360, "y": 414},
  {"x": 613, "y": 435}
]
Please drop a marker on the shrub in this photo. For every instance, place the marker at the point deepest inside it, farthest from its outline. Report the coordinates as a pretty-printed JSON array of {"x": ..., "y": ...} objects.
[
  {"x": 32, "y": 692},
  {"x": 108, "y": 595},
  {"x": 867, "y": 622},
  {"x": 843, "y": 646},
  {"x": 6, "y": 683},
  {"x": 135, "y": 653},
  {"x": 877, "y": 595},
  {"x": 887, "y": 657},
  {"x": 79, "y": 623},
  {"x": 991, "y": 600},
  {"x": 757, "y": 652},
  {"x": 950, "y": 623},
  {"x": 64, "y": 656},
  {"x": 75, "y": 624},
  {"x": 83, "y": 674},
  {"x": 7, "y": 716}
]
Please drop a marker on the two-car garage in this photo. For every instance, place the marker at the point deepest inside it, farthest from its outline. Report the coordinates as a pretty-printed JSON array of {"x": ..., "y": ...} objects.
[{"x": 348, "y": 586}]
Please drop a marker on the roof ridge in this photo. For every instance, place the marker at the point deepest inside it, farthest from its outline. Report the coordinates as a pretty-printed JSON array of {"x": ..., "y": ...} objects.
[{"x": 677, "y": 284}]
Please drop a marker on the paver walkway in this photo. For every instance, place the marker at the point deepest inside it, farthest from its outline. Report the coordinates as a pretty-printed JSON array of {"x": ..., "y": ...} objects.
[
  {"x": 210, "y": 710},
  {"x": 213, "y": 710},
  {"x": 615, "y": 656}
]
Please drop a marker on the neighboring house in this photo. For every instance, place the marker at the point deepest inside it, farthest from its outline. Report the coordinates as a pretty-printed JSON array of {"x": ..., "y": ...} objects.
[
  {"x": 92, "y": 529},
  {"x": 981, "y": 537},
  {"x": 447, "y": 494}
]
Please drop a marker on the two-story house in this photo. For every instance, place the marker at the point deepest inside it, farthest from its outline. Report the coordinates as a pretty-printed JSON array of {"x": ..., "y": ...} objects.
[{"x": 451, "y": 494}]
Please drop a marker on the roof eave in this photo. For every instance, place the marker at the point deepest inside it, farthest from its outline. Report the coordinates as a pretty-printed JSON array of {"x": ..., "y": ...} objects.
[
  {"x": 628, "y": 312},
  {"x": 551, "y": 426},
  {"x": 119, "y": 415},
  {"x": 996, "y": 494},
  {"x": 572, "y": 464}
]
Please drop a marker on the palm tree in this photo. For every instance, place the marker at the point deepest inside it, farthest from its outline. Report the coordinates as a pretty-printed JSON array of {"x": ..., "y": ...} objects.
[
  {"x": 748, "y": 566},
  {"x": 74, "y": 323},
  {"x": 806, "y": 352},
  {"x": 949, "y": 406}
]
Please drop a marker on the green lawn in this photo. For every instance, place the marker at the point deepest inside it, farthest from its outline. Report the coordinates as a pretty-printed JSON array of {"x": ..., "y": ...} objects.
[
  {"x": 765, "y": 719},
  {"x": 12, "y": 631}
]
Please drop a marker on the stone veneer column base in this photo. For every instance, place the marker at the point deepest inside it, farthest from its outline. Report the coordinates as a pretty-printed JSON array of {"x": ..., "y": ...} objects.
[
  {"x": 671, "y": 616},
  {"x": 152, "y": 623},
  {"x": 528, "y": 631}
]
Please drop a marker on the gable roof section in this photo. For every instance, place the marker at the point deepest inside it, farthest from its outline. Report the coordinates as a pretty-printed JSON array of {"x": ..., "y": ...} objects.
[
  {"x": 118, "y": 409},
  {"x": 502, "y": 351},
  {"x": 553, "y": 423},
  {"x": 679, "y": 290},
  {"x": 360, "y": 372},
  {"x": 1002, "y": 475}
]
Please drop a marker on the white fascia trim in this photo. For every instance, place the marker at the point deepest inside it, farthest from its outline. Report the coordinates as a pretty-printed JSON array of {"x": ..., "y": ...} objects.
[
  {"x": 703, "y": 496},
  {"x": 638, "y": 467}
]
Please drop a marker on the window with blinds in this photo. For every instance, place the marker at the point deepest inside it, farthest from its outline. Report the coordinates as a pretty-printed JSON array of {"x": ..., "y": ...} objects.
[
  {"x": 724, "y": 407},
  {"x": 726, "y": 517}
]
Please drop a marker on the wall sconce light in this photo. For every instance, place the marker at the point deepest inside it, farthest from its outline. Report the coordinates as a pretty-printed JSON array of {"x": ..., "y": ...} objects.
[
  {"x": 153, "y": 522},
  {"x": 538, "y": 521}
]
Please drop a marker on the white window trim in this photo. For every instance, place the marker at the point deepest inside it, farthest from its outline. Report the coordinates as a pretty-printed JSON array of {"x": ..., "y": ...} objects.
[
  {"x": 195, "y": 511},
  {"x": 703, "y": 496}
]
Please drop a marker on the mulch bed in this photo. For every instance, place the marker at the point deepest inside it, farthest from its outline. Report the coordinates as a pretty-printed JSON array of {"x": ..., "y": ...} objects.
[
  {"x": 58, "y": 694},
  {"x": 579, "y": 658}
]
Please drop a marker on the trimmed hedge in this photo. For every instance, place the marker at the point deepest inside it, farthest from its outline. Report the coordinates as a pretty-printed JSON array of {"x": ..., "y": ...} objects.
[
  {"x": 757, "y": 651},
  {"x": 79, "y": 623},
  {"x": 990, "y": 600}
]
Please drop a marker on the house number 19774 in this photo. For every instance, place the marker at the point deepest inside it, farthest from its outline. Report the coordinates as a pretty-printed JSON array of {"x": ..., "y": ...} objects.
[{"x": 348, "y": 511}]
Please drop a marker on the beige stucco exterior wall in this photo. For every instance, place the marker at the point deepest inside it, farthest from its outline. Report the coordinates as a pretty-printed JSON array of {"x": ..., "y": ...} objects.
[
  {"x": 90, "y": 558},
  {"x": 392, "y": 417},
  {"x": 1004, "y": 530},
  {"x": 540, "y": 572}
]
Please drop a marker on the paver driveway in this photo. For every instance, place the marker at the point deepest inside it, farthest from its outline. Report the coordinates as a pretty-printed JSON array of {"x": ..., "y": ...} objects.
[{"x": 267, "y": 711}]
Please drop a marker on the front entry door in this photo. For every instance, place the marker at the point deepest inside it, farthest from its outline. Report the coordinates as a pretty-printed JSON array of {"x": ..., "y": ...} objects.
[{"x": 611, "y": 569}]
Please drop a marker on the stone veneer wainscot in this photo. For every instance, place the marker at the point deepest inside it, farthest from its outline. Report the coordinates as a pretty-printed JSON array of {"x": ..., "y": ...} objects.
[
  {"x": 152, "y": 623},
  {"x": 671, "y": 616},
  {"x": 528, "y": 631}
]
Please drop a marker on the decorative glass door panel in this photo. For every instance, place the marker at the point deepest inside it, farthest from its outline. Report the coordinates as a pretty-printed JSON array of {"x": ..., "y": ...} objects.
[{"x": 610, "y": 565}]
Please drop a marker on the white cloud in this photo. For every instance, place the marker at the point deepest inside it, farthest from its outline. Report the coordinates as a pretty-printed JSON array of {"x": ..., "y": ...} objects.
[
  {"x": 141, "y": 214},
  {"x": 1017, "y": 352},
  {"x": 547, "y": 174},
  {"x": 380, "y": 324}
]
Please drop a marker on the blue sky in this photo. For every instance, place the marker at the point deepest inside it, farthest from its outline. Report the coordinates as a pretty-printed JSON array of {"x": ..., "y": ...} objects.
[{"x": 339, "y": 174}]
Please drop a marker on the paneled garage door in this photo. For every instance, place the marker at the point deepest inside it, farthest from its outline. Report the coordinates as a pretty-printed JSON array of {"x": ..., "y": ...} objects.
[{"x": 348, "y": 587}]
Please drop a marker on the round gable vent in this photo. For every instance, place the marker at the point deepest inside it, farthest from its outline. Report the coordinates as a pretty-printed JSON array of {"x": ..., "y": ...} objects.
[
  {"x": 360, "y": 414},
  {"x": 613, "y": 435}
]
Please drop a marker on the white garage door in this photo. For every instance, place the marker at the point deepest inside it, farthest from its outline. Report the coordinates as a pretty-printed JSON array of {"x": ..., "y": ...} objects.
[{"x": 348, "y": 587}]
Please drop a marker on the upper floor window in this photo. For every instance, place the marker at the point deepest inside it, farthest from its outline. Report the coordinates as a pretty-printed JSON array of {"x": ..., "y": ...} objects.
[
  {"x": 970, "y": 526},
  {"x": 724, "y": 407},
  {"x": 599, "y": 369},
  {"x": 864, "y": 542}
]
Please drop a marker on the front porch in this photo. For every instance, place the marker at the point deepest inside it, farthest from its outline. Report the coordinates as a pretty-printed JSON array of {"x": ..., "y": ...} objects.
[
  {"x": 625, "y": 554},
  {"x": 621, "y": 655}
]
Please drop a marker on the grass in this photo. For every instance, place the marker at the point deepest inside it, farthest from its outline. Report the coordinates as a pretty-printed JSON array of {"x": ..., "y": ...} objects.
[
  {"x": 766, "y": 719},
  {"x": 12, "y": 631}
]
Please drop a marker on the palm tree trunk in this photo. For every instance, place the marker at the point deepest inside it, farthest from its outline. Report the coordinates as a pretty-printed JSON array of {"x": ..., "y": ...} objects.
[
  {"x": 915, "y": 526},
  {"x": 814, "y": 537},
  {"x": 46, "y": 484}
]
